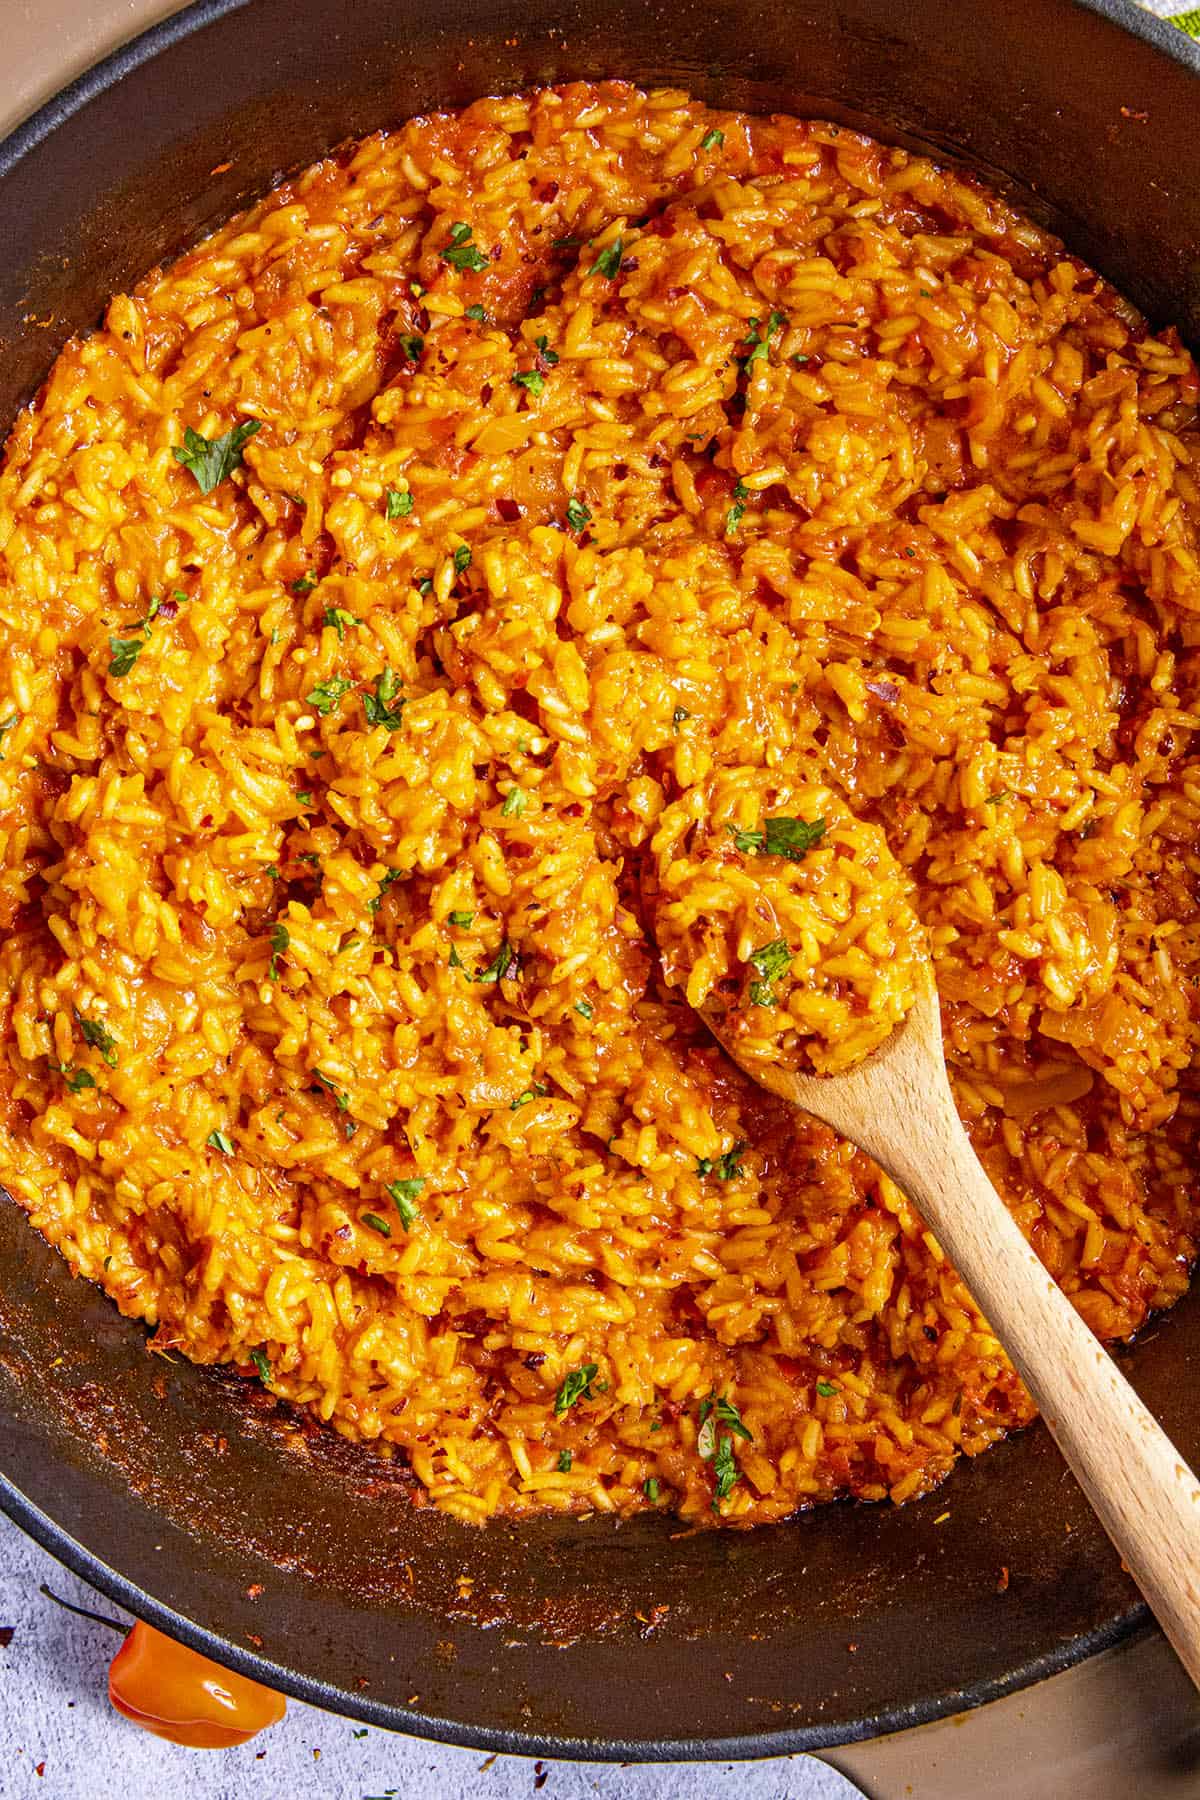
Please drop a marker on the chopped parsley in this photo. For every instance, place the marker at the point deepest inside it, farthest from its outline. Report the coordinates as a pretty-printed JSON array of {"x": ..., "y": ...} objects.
[
  {"x": 391, "y": 876},
  {"x": 771, "y": 962},
  {"x": 339, "y": 620},
  {"x": 412, "y": 347},
  {"x": 210, "y": 460},
  {"x": 999, "y": 799},
  {"x": 502, "y": 966},
  {"x": 98, "y": 1036},
  {"x": 76, "y": 1079},
  {"x": 477, "y": 313},
  {"x": 584, "y": 1008},
  {"x": 378, "y": 706},
  {"x": 712, "y": 140},
  {"x": 733, "y": 517},
  {"x": 714, "y": 1412},
  {"x": 530, "y": 379},
  {"x": 217, "y": 1140},
  {"x": 398, "y": 504},
  {"x": 462, "y": 918},
  {"x": 725, "y": 1469},
  {"x": 578, "y": 515},
  {"x": 826, "y": 1389},
  {"x": 460, "y": 252},
  {"x": 536, "y": 1092},
  {"x": 759, "y": 339},
  {"x": 608, "y": 263},
  {"x": 6, "y": 726},
  {"x": 725, "y": 1168},
  {"x": 304, "y": 796},
  {"x": 781, "y": 836},
  {"x": 328, "y": 695},
  {"x": 514, "y": 803},
  {"x": 304, "y": 585},
  {"x": 272, "y": 870},
  {"x": 261, "y": 1364},
  {"x": 280, "y": 939},
  {"x": 575, "y": 1386},
  {"x": 565, "y": 1460},
  {"x": 651, "y": 1490},
  {"x": 462, "y": 559},
  {"x": 331, "y": 1087},
  {"x": 124, "y": 653},
  {"x": 404, "y": 1195},
  {"x": 377, "y": 1224}
]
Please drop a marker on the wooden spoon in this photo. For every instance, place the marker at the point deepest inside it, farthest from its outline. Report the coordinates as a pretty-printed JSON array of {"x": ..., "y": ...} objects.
[{"x": 897, "y": 1106}]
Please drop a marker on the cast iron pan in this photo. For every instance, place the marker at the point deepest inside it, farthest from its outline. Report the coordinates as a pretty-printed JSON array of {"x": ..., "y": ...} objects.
[{"x": 189, "y": 1496}]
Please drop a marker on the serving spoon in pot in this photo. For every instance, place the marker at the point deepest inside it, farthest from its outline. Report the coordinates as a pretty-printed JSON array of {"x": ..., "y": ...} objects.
[{"x": 896, "y": 1105}]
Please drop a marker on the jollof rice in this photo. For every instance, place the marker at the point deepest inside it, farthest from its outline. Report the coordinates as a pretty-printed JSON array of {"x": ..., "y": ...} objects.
[{"x": 380, "y": 584}]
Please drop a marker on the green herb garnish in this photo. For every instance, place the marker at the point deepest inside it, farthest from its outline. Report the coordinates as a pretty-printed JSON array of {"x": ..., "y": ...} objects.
[
  {"x": 398, "y": 504},
  {"x": 759, "y": 340},
  {"x": 608, "y": 263},
  {"x": 404, "y": 1194},
  {"x": 733, "y": 517},
  {"x": 98, "y": 1036},
  {"x": 303, "y": 585},
  {"x": 565, "y": 1460},
  {"x": 461, "y": 918},
  {"x": 651, "y": 1490},
  {"x": 578, "y": 515},
  {"x": 76, "y": 1079},
  {"x": 781, "y": 836},
  {"x": 712, "y": 140},
  {"x": 771, "y": 962},
  {"x": 412, "y": 347},
  {"x": 725, "y": 1469},
  {"x": 339, "y": 620},
  {"x": 331, "y": 1087},
  {"x": 327, "y": 697},
  {"x": 584, "y": 1008},
  {"x": 575, "y": 1386},
  {"x": 826, "y": 1389},
  {"x": 514, "y": 803},
  {"x": 477, "y": 313},
  {"x": 217, "y": 1140},
  {"x": 502, "y": 965},
  {"x": 460, "y": 252},
  {"x": 378, "y": 706},
  {"x": 280, "y": 939},
  {"x": 377, "y": 1224},
  {"x": 210, "y": 460},
  {"x": 392, "y": 875},
  {"x": 462, "y": 559},
  {"x": 727, "y": 1167},
  {"x": 531, "y": 379},
  {"x": 125, "y": 652},
  {"x": 536, "y": 1092},
  {"x": 261, "y": 1364}
]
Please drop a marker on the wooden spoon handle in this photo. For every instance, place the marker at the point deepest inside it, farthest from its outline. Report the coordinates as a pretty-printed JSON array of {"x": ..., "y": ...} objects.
[{"x": 1146, "y": 1496}]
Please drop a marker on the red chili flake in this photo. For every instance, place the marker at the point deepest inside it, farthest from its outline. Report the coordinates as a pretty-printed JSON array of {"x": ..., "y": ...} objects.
[
  {"x": 206, "y": 822},
  {"x": 509, "y": 510},
  {"x": 39, "y": 1768},
  {"x": 7, "y": 1633},
  {"x": 1002, "y": 1584}
]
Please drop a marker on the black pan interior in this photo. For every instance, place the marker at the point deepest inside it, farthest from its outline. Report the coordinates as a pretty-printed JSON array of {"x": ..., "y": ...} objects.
[{"x": 187, "y": 1494}]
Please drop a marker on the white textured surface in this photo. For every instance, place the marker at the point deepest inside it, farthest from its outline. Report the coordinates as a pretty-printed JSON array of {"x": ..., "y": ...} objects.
[{"x": 55, "y": 1716}]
